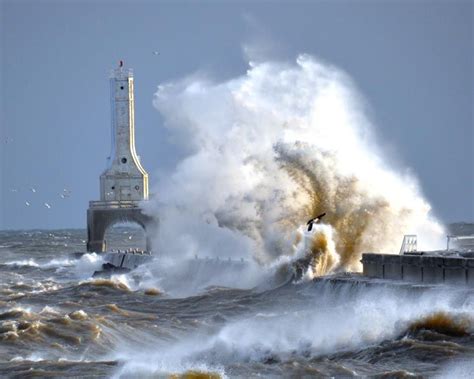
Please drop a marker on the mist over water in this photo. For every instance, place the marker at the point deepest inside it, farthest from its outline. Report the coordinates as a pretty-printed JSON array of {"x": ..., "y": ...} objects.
[{"x": 265, "y": 152}]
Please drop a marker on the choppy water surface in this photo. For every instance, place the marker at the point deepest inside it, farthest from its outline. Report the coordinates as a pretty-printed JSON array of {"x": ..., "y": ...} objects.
[{"x": 220, "y": 319}]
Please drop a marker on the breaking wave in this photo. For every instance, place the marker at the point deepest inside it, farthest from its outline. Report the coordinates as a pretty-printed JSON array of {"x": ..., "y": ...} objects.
[
  {"x": 335, "y": 319},
  {"x": 263, "y": 153},
  {"x": 82, "y": 268},
  {"x": 444, "y": 323}
]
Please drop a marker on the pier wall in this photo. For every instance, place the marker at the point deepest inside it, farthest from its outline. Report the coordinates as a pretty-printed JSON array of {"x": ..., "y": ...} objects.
[
  {"x": 126, "y": 260},
  {"x": 419, "y": 268}
]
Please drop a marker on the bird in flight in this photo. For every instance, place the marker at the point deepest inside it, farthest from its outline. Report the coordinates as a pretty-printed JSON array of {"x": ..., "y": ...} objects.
[
  {"x": 314, "y": 221},
  {"x": 66, "y": 193}
]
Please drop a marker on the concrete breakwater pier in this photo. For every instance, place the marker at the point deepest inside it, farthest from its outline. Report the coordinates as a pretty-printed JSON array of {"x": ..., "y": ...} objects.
[{"x": 434, "y": 267}]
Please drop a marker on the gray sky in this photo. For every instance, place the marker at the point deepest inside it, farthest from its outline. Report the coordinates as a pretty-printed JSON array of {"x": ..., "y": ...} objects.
[{"x": 412, "y": 60}]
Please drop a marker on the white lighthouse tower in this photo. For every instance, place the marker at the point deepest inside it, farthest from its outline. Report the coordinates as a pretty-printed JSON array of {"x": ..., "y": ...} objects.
[
  {"x": 124, "y": 183},
  {"x": 124, "y": 179}
]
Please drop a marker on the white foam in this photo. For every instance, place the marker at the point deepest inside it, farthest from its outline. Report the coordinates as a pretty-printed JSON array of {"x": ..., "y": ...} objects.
[
  {"x": 125, "y": 280},
  {"x": 25, "y": 262},
  {"x": 263, "y": 151},
  {"x": 186, "y": 277},
  {"x": 49, "y": 310},
  {"x": 143, "y": 368},
  {"x": 53, "y": 263},
  {"x": 58, "y": 262},
  {"x": 35, "y": 357},
  {"x": 87, "y": 265}
]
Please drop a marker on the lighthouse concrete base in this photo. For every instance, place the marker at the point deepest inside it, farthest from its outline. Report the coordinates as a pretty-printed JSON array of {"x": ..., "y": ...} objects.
[{"x": 103, "y": 214}]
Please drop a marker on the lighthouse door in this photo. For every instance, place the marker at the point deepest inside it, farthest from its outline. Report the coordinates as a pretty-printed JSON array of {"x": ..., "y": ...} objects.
[{"x": 125, "y": 193}]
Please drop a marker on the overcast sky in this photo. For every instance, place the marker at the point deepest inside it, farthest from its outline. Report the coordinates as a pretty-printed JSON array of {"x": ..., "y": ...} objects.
[{"x": 412, "y": 60}]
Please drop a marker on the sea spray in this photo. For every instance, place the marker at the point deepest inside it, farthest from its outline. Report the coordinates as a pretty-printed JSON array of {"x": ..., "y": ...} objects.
[
  {"x": 187, "y": 277},
  {"x": 314, "y": 252},
  {"x": 87, "y": 265},
  {"x": 266, "y": 151}
]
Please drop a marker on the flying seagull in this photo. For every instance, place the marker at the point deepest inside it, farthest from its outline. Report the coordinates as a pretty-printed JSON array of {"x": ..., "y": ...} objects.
[{"x": 314, "y": 221}]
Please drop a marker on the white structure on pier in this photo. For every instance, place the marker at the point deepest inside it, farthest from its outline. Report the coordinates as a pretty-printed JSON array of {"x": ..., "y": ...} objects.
[
  {"x": 124, "y": 183},
  {"x": 124, "y": 179}
]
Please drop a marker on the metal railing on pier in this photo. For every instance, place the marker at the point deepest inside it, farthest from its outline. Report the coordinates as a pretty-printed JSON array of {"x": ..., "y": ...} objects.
[
  {"x": 409, "y": 244},
  {"x": 115, "y": 204}
]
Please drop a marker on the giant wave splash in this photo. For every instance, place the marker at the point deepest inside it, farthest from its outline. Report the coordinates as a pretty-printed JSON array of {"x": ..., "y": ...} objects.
[{"x": 264, "y": 152}]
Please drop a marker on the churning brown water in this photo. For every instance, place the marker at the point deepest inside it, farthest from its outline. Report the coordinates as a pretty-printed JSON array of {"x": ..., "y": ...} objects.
[{"x": 57, "y": 321}]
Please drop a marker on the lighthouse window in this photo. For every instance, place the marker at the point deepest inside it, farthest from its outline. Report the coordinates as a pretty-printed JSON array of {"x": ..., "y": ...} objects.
[
  {"x": 121, "y": 87},
  {"x": 113, "y": 187},
  {"x": 124, "y": 160}
]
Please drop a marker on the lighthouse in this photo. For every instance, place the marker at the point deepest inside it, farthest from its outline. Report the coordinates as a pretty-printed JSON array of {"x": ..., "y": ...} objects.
[
  {"x": 124, "y": 179},
  {"x": 124, "y": 182}
]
